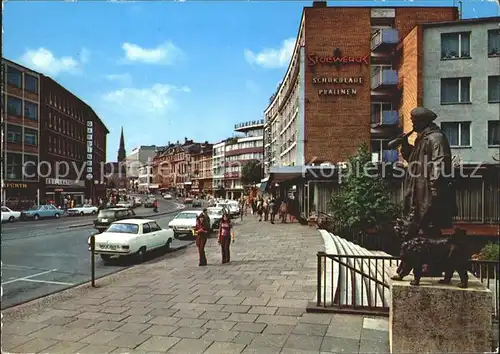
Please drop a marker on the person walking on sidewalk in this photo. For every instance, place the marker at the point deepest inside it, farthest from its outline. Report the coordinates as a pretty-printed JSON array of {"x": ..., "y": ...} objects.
[
  {"x": 260, "y": 209},
  {"x": 201, "y": 230},
  {"x": 226, "y": 234},
  {"x": 272, "y": 210},
  {"x": 283, "y": 212}
]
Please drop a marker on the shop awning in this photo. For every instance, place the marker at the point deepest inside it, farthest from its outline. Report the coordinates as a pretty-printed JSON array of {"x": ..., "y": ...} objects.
[{"x": 285, "y": 173}]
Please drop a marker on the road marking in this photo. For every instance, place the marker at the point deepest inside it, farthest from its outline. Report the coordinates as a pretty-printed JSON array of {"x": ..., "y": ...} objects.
[
  {"x": 55, "y": 255},
  {"x": 29, "y": 276},
  {"x": 46, "y": 281},
  {"x": 19, "y": 267}
]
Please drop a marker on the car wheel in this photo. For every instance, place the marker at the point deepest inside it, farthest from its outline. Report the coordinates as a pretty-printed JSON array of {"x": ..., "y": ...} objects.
[
  {"x": 12, "y": 219},
  {"x": 57, "y": 216},
  {"x": 105, "y": 257},
  {"x": 82, "y": 213},
  {"x": 141, "y": 255},
  {"x": 93, "y": 212},
  {"x": 36, "y": 217},
  {"x": 168, "y": 244}
]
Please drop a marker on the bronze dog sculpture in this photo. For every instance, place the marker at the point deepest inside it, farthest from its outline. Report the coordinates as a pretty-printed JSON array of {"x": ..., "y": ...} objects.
[{"x": 444, "y": 253}]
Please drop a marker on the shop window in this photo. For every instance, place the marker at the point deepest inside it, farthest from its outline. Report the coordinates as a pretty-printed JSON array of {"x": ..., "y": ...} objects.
[
  {"x": 494, "y": 89},
  {"x": 494, "y": 43},
  {"x": 30, "y": 83},
  {"x": 455, "y": 45},
  {"x": 14, "y": 106},
  {"x": 14, "y": 134},
  {"x": 14, "y": 166},
  {"x": 458, "y": 133},
  {"x": 30, "y": 136},
  {"x": 30, "y": 110},
  {"x": 30, "y": 167},
  {"x": 14, "y": 76},
  {"x": 494, "y": 133},
  {"x": 455, "y": 90}
]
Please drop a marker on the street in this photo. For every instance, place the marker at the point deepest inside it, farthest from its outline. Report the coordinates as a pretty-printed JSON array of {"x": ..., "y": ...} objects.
[{"x": 43, "y": 257}]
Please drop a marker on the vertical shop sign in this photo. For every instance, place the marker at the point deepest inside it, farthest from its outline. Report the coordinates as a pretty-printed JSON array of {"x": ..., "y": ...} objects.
[{"x": 90, "y": 139}]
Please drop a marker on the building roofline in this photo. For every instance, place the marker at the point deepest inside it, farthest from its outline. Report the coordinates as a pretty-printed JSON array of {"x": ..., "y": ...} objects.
[
  {"x": 20, "y": 65},
  {"x": 467, "y": 21},
  {"x": 382, "y": 7}
]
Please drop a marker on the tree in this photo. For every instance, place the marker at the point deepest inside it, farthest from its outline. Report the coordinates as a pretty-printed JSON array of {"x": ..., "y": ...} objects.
[
  {"x": 363, "y": 200},
  {"x": 251, "y": 172}
]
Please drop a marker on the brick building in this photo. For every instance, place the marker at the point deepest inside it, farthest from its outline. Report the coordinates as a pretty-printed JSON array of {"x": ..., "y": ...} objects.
[
  {"x": 354, "y": 71},
  {"x": 202, "y": 170}
]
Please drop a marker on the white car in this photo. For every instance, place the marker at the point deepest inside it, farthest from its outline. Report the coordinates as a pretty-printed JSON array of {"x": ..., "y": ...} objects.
[
  {"x": 131, "y": 237},
  {"x": 223, "y": 206},
  {"x": 10, "y": 215},
  {"x": 234, "y": 207},
  {"x": 167, "y": 196},
  {"x": 184, "y": 222},
  {"x": 83, "y": 210},
  {"x": 215, "y": 215},
  {"x": 125, "y": 204}
]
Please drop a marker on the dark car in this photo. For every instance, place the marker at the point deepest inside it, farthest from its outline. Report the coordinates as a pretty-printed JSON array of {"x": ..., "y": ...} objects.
[
  {"x": 196, "y": 203},
  {"x": 108, "y": 216}
]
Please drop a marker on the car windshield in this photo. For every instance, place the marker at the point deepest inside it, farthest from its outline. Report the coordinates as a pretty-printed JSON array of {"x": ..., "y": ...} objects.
[
  {"x": 123, "y": 228},
  {"x": 106, "y": 214},
  {"x": 214, "y": 212},
  {"x": 186, "y": 216}
]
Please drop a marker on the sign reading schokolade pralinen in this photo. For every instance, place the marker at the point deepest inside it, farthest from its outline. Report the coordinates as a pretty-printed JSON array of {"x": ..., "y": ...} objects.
[{"x": 349, "y": 91}]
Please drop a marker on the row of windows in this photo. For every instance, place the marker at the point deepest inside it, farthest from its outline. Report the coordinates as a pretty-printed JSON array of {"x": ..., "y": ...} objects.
[
  {"x": 15, "y": 134},
  {"x": 457, "y": 90},
  {"x": 459, "y": 133},
  {"x": 64, "y": 147},
  {"x": 250, "y": 156},
  {"x": 15, "y": 164},
  {"x": 15, "y": 78},
  {"x": 457, "y": 45},
  {"x": 67, "y": 127},
  {"x": 64, "y": 106},
  {"x": 15, "y": 108}
]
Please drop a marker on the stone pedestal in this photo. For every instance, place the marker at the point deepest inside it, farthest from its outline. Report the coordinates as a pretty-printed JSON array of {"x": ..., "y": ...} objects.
[{"x": 436, "y": 318}]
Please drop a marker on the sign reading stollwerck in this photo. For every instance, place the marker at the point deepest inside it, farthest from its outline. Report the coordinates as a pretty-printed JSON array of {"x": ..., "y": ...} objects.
[{"x": 90, "y": 139}]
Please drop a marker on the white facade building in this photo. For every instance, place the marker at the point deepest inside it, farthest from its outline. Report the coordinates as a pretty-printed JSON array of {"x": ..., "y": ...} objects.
[
  {"x": 218, "y": 158},
  {"x": 145, "y": 177}
]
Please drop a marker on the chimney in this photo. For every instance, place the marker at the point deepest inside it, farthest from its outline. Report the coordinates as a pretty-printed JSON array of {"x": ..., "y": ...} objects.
[
  {"x": 185, "y": 140},
  {"x": 319, "y": 3}
]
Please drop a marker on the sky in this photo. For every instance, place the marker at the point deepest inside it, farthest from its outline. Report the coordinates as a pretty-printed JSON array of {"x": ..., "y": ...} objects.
[{"x": 168, "y": 70}]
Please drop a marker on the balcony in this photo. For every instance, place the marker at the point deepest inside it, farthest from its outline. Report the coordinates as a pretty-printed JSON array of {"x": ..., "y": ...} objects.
[
  {"x": 385, "y": 40},
  {"x": 386, "y": 117},
  {"x": 384, "y": 79}
]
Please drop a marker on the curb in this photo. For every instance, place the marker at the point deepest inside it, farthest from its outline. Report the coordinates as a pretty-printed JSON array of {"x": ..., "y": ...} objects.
[
  {"x": 63, "y": 295},
  {"x": 144, "y": 216}
]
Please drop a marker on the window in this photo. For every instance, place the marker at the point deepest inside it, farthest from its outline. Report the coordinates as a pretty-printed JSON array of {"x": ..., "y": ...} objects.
[
  {"x": 14, "y": 134},
  {"x": 458, "y": 133},
  {"x": 494, "y": 43},
  {"x": 456, "y": 90},
  {"x": 30, "y": 110},
  {"x": 494, "y": 89},
  {"x": 146, "y": 229},
  {"x": 30, "y": 83},
  {"x": 377, "y": 111},
  {"x": 14, "y": 106},
  {"x": 494, "y": 133},
  {"x": 30, "y": 136},
  {"x": 30, "y": 167},
  {"x": 14, "y": 166},
  {"x": 455, "y": 45},
  {"x": 14, "y": 76}
]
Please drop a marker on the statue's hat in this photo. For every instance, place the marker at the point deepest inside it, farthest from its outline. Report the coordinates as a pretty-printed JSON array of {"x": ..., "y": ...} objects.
[{"x": 422, "y": 113}]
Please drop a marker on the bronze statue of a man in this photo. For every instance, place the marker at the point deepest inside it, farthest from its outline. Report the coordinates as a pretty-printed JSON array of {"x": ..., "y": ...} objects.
[{"x": 429, "y": 196}]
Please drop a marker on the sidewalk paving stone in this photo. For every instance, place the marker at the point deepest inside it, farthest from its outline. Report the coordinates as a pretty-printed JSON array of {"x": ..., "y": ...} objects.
[{"x": 255, "y": 304}]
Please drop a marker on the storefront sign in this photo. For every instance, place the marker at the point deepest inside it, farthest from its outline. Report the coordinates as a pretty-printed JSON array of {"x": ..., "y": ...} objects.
[
  {"x": 16, "y": 185},
  {"x": 337, "y": 59},
  {"x": 63, "y": 182},
  {"x": 338, "y": 92},
  {"x": 90, "y": 139},
  {"x": 338, "y": 80}
]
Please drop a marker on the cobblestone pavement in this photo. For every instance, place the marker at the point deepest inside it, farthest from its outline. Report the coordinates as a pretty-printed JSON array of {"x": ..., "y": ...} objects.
[{"x": 255, "y": 304}]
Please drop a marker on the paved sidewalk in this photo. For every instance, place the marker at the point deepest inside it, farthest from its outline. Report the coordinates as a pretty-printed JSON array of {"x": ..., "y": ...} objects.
[{"x": 255, "y": 304}]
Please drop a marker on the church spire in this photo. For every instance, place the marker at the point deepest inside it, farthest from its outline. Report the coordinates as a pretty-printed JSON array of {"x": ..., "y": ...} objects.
[{"x": 121, "y": 150}]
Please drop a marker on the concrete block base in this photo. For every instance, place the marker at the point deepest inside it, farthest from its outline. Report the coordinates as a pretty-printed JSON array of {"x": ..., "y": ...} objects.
[{"x": 437, "y": 318}]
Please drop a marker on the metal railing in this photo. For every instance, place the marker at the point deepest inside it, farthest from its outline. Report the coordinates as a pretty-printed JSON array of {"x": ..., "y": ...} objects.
[{"x": 361, "y": 283}]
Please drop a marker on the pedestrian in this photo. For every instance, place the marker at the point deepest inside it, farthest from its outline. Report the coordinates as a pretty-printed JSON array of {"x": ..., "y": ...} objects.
[
  {"x": 226, "y": 235},
  {"x": 266, "y": 209},
  {"x": 201, "y": 231},
  {"x": 260, "y": 209},
  {"x": 272, "y": 210},
  {"x": 283, "y": 212}
]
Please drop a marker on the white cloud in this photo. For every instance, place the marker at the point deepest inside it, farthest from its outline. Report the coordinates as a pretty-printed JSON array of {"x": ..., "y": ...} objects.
[
  {"x": 272, "y": 58},
  {"x": 44, "y": 61},
  {"x": 165, "y": 54},
  {"x": 143, "y": 103},
  {"x": 124, "y": 79}
]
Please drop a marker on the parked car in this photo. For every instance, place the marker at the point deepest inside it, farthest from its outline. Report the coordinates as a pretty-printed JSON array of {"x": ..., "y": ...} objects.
[
  {"x": 234, "y": 208},
  {"x": 10, "y": 215},
  {"x": 40, "y": 212},
  {"x": 131, "y": 237},
  {"x": 215, "y": 215},
  {"x": 125, "y": 204},
  {"x": 167, "y": 196},
  {"x": 188, "y": 200},
  {"x": 82, "y": 210},
  {"x": 223, "y": 206},
  {"x": 108, "y": 216},
  {"x": 149, "y": 203},
  {"x": 196, "y": 203},
  {"x": 184, "y": 222}
]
